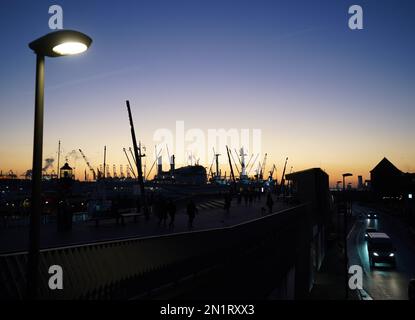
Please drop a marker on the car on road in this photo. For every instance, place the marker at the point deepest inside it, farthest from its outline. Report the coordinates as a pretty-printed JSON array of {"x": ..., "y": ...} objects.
[
  {"x": 380, "y": 249},
  {"x": 372, "y": 215},
  {"x": 369, "y": 230}
]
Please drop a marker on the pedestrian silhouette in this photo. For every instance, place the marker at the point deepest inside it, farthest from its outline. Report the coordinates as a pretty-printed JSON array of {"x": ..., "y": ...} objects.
[
  {"x": 171, "y": 208},
  {"x": 239, "y": 198},
  {"x": 164, "y": 211},
  {"x": 191, "y": 212},
  {"x": 251, "y": 197},
  {"x": 115, "y": 209},
  {"x": 246, "y": 198},
  {"x": 227, "y": 204},
  {"x": 270, "y": 202},
  {"x": 161, "y": 211}
]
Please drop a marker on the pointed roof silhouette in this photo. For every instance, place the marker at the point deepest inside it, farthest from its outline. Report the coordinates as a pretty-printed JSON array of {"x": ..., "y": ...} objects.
[
  {"x": 66, "y": 167},
  {"x": 385, "y": 164}
]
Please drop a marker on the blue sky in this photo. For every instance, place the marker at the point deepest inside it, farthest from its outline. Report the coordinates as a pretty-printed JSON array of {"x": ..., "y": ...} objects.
[{"x": 321, "y": 94}]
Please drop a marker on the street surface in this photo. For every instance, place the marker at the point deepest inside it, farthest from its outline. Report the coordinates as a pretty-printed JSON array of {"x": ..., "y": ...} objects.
[{"x": 383, "y": 282}]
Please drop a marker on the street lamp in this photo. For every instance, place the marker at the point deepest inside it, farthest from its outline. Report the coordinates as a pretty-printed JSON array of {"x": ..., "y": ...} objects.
[
  {"x": 55, "y": 44},
  {"x": 344, "y": 179}
]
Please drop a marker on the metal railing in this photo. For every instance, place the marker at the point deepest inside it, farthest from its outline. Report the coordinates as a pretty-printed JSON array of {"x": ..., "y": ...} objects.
[{"x": 129, "y": 267}]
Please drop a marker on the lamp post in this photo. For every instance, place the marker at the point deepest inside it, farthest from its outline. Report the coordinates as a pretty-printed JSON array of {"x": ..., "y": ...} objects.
[
  {"x": 54, "y": 44},
  {"x": 346, "y": 256},
  {"x": 344, "y": 179}
]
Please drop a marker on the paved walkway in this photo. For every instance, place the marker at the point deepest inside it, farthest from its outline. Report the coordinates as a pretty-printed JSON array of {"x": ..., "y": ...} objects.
[{"x": 211, "y": 215}]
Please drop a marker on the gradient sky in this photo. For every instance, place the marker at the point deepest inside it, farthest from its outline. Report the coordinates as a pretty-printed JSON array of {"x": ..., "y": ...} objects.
[{"x": 323, "y": 95}]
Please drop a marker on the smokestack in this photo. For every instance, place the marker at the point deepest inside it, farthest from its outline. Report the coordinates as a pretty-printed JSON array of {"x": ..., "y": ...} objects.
[
  {"x": 159, "y": 165},
  {"x": 172, "y": 158}
]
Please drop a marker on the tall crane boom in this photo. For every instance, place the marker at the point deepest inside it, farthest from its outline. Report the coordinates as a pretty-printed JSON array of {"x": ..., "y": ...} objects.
[
  {"x": 253, "y": 163},
  {"x": 129, "y": 162},
  {"x": 271, "y": 173},
  {"x": 210, "y": 169},
  {"x": 283, "y": 176},
  {"x": 155, "y": 160},
  {"x": 230, "y": 165},
  {"x": 89, "y": 165},
  {"x": 235, "y": 162},
  {"x": 261, "y": 173},
  {"x": 138, "y": 155}
]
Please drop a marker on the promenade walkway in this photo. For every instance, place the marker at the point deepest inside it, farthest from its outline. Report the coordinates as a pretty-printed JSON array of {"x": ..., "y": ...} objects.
[{"x": 210, "y": 215}]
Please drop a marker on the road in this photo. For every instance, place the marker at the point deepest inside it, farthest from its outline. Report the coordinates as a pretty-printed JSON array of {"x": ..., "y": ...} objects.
[{"x": 383, "y": 282}]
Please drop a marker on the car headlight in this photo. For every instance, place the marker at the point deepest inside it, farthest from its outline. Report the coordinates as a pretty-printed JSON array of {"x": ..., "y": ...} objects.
[
  {"x": 391, "y": 255},
  {"x": 375, "y": 254}
]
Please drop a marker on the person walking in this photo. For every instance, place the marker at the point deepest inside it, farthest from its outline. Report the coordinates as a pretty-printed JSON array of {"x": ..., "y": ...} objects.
[
  {"x": 115, "y": 209},
  {"x": 251, "y": 197},
  {"x": 164, "y": 211},
  {"x": 171, "y": 208},
  {"x": 160, "y": 210},
  {"x": 191, "y": 212},
  {"x": 227, "y": 204},
  {"x": 270, "y": 203},
  {"x": 239, "y": 197},
  {"x": 246, "y": 198}
]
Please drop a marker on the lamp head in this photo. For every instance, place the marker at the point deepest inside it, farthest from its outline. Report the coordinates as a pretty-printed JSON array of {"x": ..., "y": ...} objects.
[{"x": 61, "y": 43}]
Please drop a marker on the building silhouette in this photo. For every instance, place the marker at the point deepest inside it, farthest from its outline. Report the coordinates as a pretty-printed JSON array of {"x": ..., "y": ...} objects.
[{"x": 387, "y": 181}]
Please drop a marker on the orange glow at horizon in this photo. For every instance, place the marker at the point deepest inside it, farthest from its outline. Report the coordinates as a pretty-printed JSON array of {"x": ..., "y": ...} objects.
[{"x": 334, "y": 163}]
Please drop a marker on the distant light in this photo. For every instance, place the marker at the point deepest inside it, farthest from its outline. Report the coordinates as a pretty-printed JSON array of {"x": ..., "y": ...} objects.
[
  {"x": 410, "y": 196},
  {"x": 392, "y": 255},
  {"x": 375, "y": 254},
  {"x": 70, "y": 48}
]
